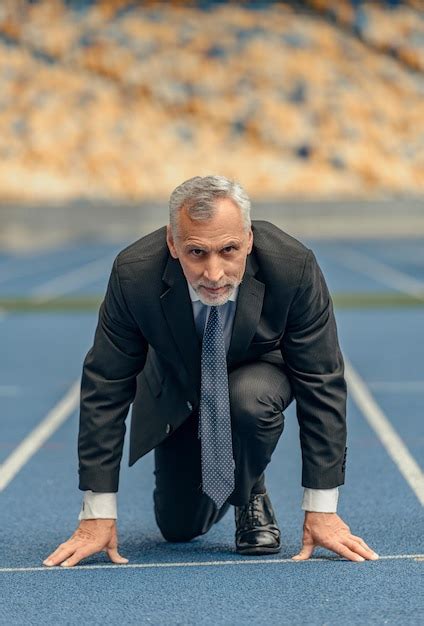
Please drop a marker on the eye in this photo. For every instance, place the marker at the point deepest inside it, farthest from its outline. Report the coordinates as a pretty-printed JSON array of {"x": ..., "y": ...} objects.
[
  {"x": 228, "y": 249},
  {"x": 196, "y": 252}
]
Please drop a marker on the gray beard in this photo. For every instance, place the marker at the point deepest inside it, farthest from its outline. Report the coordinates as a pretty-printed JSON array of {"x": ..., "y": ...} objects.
[{"x": 218, "y": 301}]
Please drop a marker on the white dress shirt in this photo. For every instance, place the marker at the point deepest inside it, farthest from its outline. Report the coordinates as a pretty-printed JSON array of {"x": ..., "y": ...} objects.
[{"x": 104, "y": 505}]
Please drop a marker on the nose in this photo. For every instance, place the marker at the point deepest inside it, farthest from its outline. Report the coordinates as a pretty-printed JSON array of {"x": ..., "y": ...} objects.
[{"x": 213, "y": 271}]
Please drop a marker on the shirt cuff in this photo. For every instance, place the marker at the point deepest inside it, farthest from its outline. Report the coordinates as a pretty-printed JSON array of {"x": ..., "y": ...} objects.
[
  {"x": 320, "y": 500},
  {"x": 98, "y": 506}
]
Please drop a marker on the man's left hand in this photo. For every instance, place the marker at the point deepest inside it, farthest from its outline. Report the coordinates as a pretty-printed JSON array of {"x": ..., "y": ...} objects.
[{"x": 329, "y": 531}]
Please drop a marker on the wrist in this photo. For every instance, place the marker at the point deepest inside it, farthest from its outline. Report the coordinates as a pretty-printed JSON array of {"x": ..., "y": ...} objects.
[
  {"x": 92, "y": 522},
  {"x": 314, "y": 519}
]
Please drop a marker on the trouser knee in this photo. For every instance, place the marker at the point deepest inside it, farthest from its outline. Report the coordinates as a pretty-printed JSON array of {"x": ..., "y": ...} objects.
[
  {"x": 189, "y": 520},
  {"x": 174, "y": 535},
  {"x": 175, "y": 524},
  {"x": 257, "y": 400}
]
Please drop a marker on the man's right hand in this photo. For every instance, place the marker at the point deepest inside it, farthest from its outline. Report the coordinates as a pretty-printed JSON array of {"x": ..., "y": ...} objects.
[{"x": 91, "y": 536}]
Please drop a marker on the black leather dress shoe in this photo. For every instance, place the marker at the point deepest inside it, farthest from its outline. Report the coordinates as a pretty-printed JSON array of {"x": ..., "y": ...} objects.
[{"x": 256, "y": 527}]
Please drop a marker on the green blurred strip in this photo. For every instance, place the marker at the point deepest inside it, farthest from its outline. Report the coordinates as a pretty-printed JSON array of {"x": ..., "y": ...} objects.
[
  {"x": 58, "y": 305},
  {"x": 91, "y": 303},
  {"x": 382, "y": 300}
]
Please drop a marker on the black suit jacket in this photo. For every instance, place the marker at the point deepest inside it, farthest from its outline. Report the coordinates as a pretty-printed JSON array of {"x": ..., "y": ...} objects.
[{"x": 146, "y": 351}]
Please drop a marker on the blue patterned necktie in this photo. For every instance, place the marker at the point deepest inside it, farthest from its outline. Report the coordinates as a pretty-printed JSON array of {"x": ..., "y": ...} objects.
[{"x": 214, "y": 414}]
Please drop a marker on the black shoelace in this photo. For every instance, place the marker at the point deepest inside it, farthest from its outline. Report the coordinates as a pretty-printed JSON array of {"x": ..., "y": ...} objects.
[{"x": 250, "y": 512}]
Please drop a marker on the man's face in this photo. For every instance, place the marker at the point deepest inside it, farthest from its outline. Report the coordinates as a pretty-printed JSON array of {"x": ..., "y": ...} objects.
[{"x": 212, "y": 252}]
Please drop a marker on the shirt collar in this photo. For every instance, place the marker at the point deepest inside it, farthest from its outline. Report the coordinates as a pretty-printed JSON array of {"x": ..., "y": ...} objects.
[{"x": 195, "y": 298}]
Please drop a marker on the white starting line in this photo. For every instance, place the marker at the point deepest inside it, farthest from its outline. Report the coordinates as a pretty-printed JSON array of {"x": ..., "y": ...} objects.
[{"x": 247, "y": 561}]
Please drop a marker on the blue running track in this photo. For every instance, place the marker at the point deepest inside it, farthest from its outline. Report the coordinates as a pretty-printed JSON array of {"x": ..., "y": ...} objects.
[{"x": 205, "y": 581}]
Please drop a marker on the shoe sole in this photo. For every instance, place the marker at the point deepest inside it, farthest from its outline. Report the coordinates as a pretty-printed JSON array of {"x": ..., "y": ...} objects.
[{"x": 257, "y": 551}]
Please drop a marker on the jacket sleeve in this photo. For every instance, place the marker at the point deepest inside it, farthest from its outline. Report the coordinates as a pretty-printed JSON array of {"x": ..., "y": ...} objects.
[
  {"x": 312, "y": 354},
  {"x": 108, "y": 387}
]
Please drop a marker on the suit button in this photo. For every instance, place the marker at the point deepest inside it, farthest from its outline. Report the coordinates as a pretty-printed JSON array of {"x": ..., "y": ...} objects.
[
  {"x": 168, "y": 428},
  {"x": 189, "y": 405}
]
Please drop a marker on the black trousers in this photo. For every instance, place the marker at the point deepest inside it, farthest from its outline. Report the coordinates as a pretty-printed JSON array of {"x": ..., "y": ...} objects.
[{"x": 259, "y": 393}]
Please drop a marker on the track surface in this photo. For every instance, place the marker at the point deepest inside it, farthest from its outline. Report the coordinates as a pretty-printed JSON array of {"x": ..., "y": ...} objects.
[{"x": 205, "y": 581}]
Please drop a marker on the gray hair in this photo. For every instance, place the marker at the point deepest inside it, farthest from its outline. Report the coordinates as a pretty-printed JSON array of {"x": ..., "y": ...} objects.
[{"x": 198, "y": 196}]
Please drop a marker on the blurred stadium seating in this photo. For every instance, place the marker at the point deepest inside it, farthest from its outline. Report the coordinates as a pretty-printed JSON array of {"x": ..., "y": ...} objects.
[{"x": 120, "y": 99}]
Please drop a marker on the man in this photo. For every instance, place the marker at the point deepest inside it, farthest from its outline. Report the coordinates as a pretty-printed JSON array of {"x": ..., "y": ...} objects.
[{"x": 211, "y": 327}]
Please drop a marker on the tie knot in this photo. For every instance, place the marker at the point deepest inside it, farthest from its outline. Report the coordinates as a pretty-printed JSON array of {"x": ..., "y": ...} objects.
[{"x": 214, "y": 314}]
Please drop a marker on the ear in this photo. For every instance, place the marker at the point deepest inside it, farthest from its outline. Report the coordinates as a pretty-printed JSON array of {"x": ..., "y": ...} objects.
[
  {"x": 171, "y": 243},
  {"x": 250, "y": 241}
]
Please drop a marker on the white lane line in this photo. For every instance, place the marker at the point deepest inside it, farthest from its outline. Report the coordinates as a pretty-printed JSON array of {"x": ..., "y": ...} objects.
[
  {"x": 29, "y": 446},
  {"x": 387, "y": 275},
  {"x": 71, "y": 280},
  {"x": 247, "y": 561},
  {"x": 411, "y": 386},
  {"x": 393, "y": 444},
  {"x": 41, "y": 433}
]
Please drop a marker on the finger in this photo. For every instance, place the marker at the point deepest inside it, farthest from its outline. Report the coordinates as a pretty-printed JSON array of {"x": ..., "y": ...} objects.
[
  {"x": 56, "y": 552},
  {"x": 59, "y": 555},
  {"x": 69, "y": 544},
  {"x": 357, "y": 547},
  {"x": 363, "y": 544},
  {"x": 80, "y": 554},
  {"x": 305, "y": 553},
  {"x": 115, "y": 557},
  {"x": 344, "y": 551},
  {"x": 360, "y": 540}
]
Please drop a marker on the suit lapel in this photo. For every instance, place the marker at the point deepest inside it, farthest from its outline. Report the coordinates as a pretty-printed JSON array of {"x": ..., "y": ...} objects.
[
  {"x": 248, "y": 312},
  {"x": 178, "y": 311}
]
